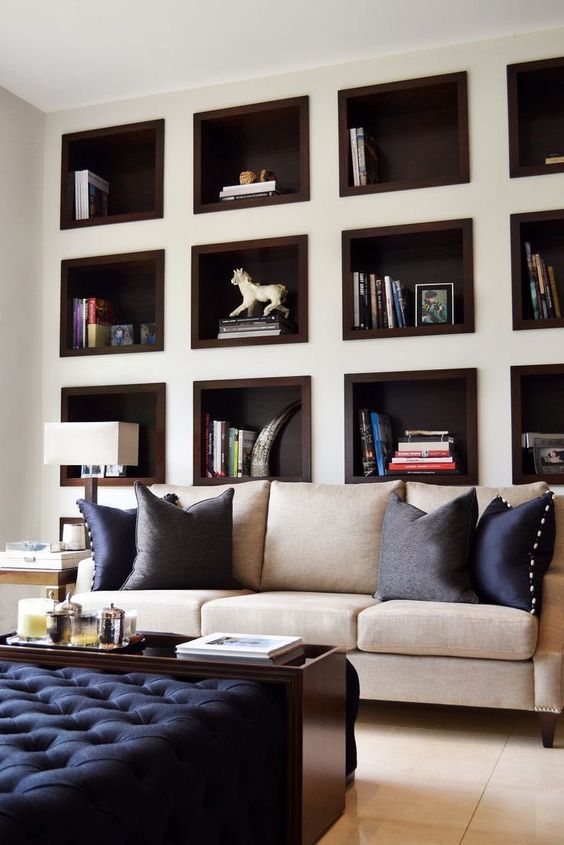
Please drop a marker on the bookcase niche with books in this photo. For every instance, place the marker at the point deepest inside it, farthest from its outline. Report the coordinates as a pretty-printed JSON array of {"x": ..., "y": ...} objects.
[
  {"x": 401, "y": 135},
  {"x": 229, "y": 416},
  {"x": 144, "y": 404},
  {"x": 112, "y": 175},
  {"x": 112, "y": 304},
  {"x": 536, "y": 119},
  {"x": 415, "y": 425},
  {"x": 413, "y": 279},
  {"x": 537, "y": 422},
  {"x": 252, "y": 155},
  {"x": 537, "y": 269},
  {"x": 214, "y": 297}
]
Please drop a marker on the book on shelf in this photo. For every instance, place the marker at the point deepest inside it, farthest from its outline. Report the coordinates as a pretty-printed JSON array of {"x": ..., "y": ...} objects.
[
  {"x": 226, "y": 449},
  {"x": 253, "y": 196},
  {"x": 251, "y": 190},
  {"x": 100, "y": 310},
  {"x": 416, "y": 466},
  {"x": 554, "y": 158},
  {"x": 378, "y": 303},
  {"x": 364, "y": 157},
  {"x": 367, "y": 442},
  {"x": 242, "y": 646},
  {"x": 543, "y": 288},
  {"x": 91, "y": 195},
  {"x": 383, "y": 439},
  {"x": 430, "y": 457},
  {"x": 272, "y": 324},
  {"x": 422, "y": 453},
  {"x": 98, "y": 334}
]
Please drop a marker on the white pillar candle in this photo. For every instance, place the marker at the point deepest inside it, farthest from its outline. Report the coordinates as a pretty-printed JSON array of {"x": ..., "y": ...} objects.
[{"x": 32, "y": 622}]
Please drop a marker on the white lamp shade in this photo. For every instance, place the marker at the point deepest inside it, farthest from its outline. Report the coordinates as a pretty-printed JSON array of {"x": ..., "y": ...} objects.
[{"x": 72, "y": 443}]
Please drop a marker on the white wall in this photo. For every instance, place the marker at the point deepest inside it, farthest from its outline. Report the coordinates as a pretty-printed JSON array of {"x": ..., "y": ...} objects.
[
  {"x": 21, "y": 190},
  {"x": 489, "y": 199}
]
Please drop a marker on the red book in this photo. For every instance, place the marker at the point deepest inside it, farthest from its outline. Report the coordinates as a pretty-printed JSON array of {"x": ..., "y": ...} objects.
[
  {"x": 417, "y": 467},
  {"x": 423, "y": 453}
]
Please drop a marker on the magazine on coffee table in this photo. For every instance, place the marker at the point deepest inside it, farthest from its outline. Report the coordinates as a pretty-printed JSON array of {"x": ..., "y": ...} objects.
[{"x": 249, "y": 646}]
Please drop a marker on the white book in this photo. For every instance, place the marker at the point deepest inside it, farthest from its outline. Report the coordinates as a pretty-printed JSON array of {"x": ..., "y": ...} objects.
[
  {"x": 239, "y": 645},
  {"x": 392, "y": 323},
  {"x": 361, "y": 155},
  {"x": 354, "y": 156},
  {"x": 52, "y": 561},
  {"x": 356, "y": 301},
  {"x": 250, "y": 188}
]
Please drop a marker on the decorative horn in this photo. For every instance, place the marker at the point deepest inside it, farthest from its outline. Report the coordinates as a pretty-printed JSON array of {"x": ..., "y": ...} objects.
[{"x": 260, "y": 456}]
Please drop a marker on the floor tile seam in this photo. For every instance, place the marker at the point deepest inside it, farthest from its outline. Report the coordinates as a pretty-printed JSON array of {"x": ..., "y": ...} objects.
[{"x": 479, "y": 801}]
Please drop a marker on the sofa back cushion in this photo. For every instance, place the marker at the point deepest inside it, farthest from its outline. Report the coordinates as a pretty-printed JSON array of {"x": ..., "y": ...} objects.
[
  {"x": 325, "y": 537},
  {"x": 250, "y": 505},
  {"x": 427, "y": 497}
]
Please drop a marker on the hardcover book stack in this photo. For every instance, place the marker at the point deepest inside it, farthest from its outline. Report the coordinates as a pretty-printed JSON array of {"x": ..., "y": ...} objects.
[
  {"x": 422, "y": 452},
  {"x": 379, "y": 303},
  {"x": 227, "y": 450},
  {"x": 250, "y": 191},
  {"x": 363, "y": 156},
  {"x": 90, "y": 195},
  {"x": 245, "y": 647},
  {"x": 376, "y": 441},
  {"x": 545, "y": 300},
  {"x": 92, "y": 318},
  {"x": 271, "y": 325}
]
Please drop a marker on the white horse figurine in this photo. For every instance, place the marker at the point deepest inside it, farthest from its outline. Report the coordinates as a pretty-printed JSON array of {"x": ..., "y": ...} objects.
[{"x": 253, "y": 292}]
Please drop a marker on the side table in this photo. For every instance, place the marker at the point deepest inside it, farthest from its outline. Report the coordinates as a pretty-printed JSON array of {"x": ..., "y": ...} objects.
[{"x": 58, "y": 579}]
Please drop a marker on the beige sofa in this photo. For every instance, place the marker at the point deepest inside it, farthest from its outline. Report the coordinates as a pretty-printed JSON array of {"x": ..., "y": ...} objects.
[{"x": 307, "y": 558}]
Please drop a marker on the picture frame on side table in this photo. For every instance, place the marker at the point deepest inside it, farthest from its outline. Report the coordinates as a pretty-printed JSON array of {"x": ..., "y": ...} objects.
[
  {"x": 548, "y": 454},
  {"x": 115, "y": 470},
  {"x": 92, "y": 471},
  {"x": 434, "y": 304}
]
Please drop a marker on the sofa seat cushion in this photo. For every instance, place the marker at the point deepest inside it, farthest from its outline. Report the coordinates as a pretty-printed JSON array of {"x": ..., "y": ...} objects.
[
  {"x": 325, "y": 537},
  {"x": 448, "y": 629},
  {"x": 320, "y": 618},
  {"x": 158, "y": 610}
]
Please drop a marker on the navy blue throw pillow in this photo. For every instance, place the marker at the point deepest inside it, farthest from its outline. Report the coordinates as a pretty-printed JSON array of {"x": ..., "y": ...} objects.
[
  {"x": 112, "y": 533},
  {"x": 512, "y": 551}
]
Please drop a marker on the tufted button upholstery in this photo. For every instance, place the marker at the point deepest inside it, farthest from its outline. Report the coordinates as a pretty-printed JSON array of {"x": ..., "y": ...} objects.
[{"x": 146, "y": 759}]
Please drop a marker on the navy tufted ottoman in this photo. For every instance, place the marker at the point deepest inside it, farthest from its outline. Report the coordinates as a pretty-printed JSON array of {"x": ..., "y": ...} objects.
[{"x": 88, "y": 758}]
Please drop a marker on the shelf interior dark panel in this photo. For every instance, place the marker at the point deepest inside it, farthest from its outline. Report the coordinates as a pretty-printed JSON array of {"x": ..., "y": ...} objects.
[
  {"x": 540, "y": 94},
  {"x": 542, "y": 410},
  {"x": 546, "y": 237}
]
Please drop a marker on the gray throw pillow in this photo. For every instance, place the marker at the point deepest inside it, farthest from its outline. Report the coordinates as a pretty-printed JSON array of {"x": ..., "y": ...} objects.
[
  {"x": 424, "y": 556},
  {"x": 182, "y": 549}
]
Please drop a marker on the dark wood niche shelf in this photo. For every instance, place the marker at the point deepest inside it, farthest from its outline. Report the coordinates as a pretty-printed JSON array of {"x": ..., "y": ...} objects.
[
  {"x": 251, "y": 404},
  {"x": 262, "y": 136},
  {"x": 537, "y": 405},
  {"x": 133, "y": 282},
  {"x": 427, "y": 399},
  {"x": 269, "y": 260},
  {"x": 139, "y": 403},
  {"x": 544, "y": 230},
  {"x": 535, "y": 91},
  {"x": 419, "y": 128},
  {"x": 440, "y": 251},
  {"x": 130, "y": 158}
]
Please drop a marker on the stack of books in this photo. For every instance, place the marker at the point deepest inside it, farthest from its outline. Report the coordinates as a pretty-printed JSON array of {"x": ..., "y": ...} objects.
[
  {"x": 379, "y": 303},
  {"x": 271, "y": 325},
  {"x": 364, "y": 157},
  {"x": 91, "y": 321},
  {"x": 90, "y": 195},
  {"x": 545, "y": 300},
  {"x": 254, "y": 647},
  {"x": 227, "y": 450},
  {"x": 376, "y": 441},
  {"x": 423, "y": 452},
  {"x": 252, "y": 190}
]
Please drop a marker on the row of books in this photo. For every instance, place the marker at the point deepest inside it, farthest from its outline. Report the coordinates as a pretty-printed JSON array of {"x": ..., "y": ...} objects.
[
  {"x": 227, "y": 450},
  {"x": 424, "y": 452},
  {"x": 272, "y": 324},
  {"x": 545, "y": 300},
  {"x": 376, "y": 441},
  {"x": 91, "y": 320},
  {"x": 90, "y": 195},
  {"x": 364, "y": 157},
  {"x": 379, "y": 303},
  {"x": 252, "y": 190}
]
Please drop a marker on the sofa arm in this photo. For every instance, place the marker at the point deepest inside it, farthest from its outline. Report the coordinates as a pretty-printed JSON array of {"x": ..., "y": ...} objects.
[
  {"x": 85, "y": 575},
  {"x": 548, "y": 659}
]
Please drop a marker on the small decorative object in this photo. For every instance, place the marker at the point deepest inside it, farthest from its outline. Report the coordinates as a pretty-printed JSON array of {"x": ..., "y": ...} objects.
[
  {"x": 252, "y": 292},
  {"x": 115, "y": 470},
  {"x": 110, "y": 627},
  {"x": 121, "y": 334},
  {"x": 84, "y": 629},
  {"x": 260, "y": 456},
  {"x": 148, "y": 333},
  {"x": 92, "y": 471},
  {"x": 129, "y": 624},
  {"x": 434, "y": 304},
  {"x": 549, "y": 455},
  {"x": 267, "y": 176},
  {"x": 32, "y": 619},
  {"x": 247, "y": 177}
]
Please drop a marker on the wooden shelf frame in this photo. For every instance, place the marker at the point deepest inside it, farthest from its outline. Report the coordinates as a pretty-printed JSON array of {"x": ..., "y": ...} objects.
[
  {"x": 419, "y": 127},
  {"x": 537, "y": 405},
  {"x": 432, "y": 252},
  {"x": 251, "y": 404},
  {"x": 141, "y": 403},
  {"x": 544, "y": 230},
  {"x": 283, "y": 260},
  {"x": 271, "y": 135},
  {"x": 536, "y": 119},
  {"x": 130, "y": 157},
  {"x": 428, "y": 399},
  {"x": 134, "y": 281}
]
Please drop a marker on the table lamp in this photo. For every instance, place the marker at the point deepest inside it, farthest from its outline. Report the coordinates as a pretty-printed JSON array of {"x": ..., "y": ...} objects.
[{"x": 87, "y": 443}]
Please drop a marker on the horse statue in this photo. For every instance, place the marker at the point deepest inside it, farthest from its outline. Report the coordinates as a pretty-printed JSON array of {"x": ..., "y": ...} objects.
[{"x": 253, "y": 292}]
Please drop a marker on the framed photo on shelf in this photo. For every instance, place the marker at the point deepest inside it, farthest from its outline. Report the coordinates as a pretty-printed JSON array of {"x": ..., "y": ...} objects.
[
  {"x": 548, "y": 453},
  {"x": 115, "y": 470},
  {"x": 434, "y": 304},
  {"x": 92, "y": 471}
]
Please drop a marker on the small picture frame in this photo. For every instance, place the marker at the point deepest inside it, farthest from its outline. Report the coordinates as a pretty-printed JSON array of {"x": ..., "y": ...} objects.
[
  {"x": 434, "y": 304},
  {"x": 92, "y": 471},
  {"x": 115, "y": 470},
  {"x": 548, "y": 454}
]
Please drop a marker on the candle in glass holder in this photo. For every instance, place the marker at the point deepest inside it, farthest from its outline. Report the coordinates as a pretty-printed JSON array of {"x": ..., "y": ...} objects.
[{"x": 32, "y": 621}]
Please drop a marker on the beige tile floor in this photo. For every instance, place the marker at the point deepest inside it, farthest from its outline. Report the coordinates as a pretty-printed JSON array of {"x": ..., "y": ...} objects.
[{"x": 450, "y": 776}]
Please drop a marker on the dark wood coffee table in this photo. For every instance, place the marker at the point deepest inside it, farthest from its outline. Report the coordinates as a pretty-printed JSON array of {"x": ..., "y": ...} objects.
[{"x": 314, "y": 694}]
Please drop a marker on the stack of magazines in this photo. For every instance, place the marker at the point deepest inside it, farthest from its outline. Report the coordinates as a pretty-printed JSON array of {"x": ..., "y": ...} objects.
[{"x": 242, "y": 647}]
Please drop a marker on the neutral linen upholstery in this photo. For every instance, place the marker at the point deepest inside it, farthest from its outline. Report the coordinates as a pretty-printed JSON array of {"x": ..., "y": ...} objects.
[
  {"x": 430, "y": 496},
  {"x": 250, "y": 504},
  {"x": 325, "y": 537},
  {"x": 177, "y": 611},
  {"x": 448, "y": 629},
  {"x": 320, "y": 618}
]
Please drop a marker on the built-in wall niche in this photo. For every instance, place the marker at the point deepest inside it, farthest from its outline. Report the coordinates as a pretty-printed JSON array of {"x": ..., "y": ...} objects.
[
  {"x": 269, "y": 260},
  {"x": 137, "y": 403},
  {"x": 537, "y": 407},
  {"x": 543, "y": 232}
]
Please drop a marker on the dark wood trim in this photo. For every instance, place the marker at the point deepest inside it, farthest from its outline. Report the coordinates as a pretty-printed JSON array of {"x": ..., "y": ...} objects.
[
  {"x": 521, "y": 407},
  {"x": 57, "y": 579}
]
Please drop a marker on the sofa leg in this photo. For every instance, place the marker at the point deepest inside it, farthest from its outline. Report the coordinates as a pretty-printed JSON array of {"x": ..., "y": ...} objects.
[{"x": 548, "y": 728}]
